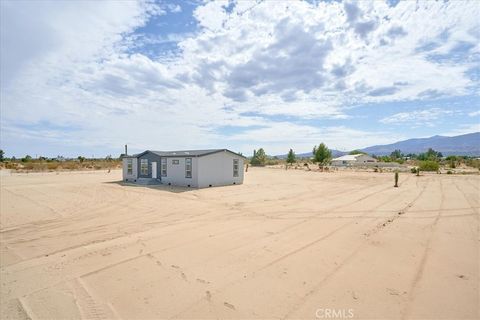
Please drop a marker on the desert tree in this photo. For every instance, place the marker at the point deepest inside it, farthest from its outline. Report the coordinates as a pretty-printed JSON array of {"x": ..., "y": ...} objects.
[
  {"x": 254, "y": 160},
  {"x": 397, "y": 154},
  {"x": 291, "y": 158},
  {"x": 259, "y": 158},
  {"x": 321, "y": 154},
  {"x": 2, "y": 155}
]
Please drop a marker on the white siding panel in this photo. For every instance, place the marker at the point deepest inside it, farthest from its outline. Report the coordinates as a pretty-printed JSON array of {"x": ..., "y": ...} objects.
[
  {"x": 126, "y": 176},
  {"x": 217, "y": 170}
]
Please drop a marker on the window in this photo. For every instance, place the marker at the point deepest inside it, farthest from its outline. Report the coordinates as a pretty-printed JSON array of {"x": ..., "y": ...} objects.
[
  {"x": 235, "y": 167},
  {"x": 176, "y": 161},
  {"x": 188, "y": 167},
  {"x": 130, "y": 166},
  {"x": 144, "y": 167},
  {"x": 164, "y": 167}
]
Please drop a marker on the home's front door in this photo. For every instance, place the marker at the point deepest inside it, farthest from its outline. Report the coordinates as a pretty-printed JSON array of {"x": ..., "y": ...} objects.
[{"x": 154, "y": 170}]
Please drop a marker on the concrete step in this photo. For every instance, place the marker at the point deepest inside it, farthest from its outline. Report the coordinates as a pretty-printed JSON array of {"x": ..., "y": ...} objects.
[{"x": 148, "y": 181}]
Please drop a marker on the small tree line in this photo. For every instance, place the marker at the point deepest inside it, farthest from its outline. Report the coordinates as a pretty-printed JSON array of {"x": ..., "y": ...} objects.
[{"x": 320, "y": 155}]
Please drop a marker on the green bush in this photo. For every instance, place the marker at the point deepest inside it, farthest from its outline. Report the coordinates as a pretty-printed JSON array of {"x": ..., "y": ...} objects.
[
  {"x": 413, "y": 170},
  {"x": 27, "y": 158},
  {"x": 449, "y": 172},
  {"x": 429, "y": 165},
  {"x": 271, "y": 162}
]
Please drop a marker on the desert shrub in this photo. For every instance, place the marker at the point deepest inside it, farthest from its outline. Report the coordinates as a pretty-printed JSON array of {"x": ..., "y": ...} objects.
[
  {"x": 413, "y": 170},
  {"x": 475, "y": 163},
  {"x": 449, "y": 172},
  {"x": 27, "y": 158},
  {"x": 52, "y": 165},
  {"x": 429, "y": 165},
  {"x": 271, "y": 162},
  {"x": 353, "y": 152},
  {"x": 28, "y": 166}
]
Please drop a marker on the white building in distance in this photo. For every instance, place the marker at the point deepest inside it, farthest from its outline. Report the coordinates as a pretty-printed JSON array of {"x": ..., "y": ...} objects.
[{"x": 353, "y": 159}]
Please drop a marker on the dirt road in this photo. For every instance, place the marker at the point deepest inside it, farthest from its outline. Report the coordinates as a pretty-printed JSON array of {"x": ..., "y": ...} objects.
[{"x": 286, "y": 244}]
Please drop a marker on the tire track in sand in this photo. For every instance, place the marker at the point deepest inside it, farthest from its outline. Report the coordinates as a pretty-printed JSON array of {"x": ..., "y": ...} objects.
[
  {"x": 218, "y": 290},
  {"x": 405, "y": 313},
  {"x": 350, "y": 257}
]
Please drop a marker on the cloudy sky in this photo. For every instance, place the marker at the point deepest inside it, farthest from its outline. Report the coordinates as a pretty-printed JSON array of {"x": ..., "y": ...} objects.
[{"x": 86, "y": 77}]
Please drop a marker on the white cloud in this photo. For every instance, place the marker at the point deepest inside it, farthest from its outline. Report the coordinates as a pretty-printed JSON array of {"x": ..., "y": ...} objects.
[
  {"x": 463, "y": 129},
  {"x": 474, "y": 113},
  {"x": 57, "y": 34},
  {"x": 426, "y": 117},
  {"x": 302, "y": 138},
  {"x": 71, "y": 63},
  {"x": 175, "y": 8}
]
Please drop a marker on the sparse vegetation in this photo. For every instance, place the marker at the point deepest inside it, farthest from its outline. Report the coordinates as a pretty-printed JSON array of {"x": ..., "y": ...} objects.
[
  {"x": 430, "y": 155},
  {"x": 452, "y": 161},
  {"x": 429, "y": 165},
  {"x": 356, "y": 152},
  {"x": 413, "y": 170},
  {"x": 27, "y": 163}
]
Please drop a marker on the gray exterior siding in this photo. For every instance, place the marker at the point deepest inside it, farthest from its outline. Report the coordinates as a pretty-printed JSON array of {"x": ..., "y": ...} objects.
[
  {"x": 176, "y": 172},
  {"x": 151, "y": 157}
]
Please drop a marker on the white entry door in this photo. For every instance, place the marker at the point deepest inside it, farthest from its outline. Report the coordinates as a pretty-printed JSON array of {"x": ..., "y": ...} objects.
[{"x": 154, "y": 170}]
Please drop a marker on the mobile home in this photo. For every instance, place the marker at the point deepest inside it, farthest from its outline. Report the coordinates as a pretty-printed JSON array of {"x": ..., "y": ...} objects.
[{"x": 189, "y": 168}]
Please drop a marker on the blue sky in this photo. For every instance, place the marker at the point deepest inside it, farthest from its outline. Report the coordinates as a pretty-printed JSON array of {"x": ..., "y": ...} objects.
[{"x": 84, "y": 78}]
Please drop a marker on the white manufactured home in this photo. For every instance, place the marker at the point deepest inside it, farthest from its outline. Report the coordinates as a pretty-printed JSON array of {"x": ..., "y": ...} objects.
[
  {"x": 353, "y": 159},
  {"x": 189, "y": 168}
]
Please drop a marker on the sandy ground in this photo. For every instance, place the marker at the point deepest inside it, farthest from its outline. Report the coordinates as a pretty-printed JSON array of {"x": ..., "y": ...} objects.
[{"x": 286, "y": 244}]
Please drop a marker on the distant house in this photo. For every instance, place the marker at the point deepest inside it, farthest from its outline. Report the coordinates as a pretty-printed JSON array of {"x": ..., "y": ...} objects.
[
  {"x": 353, "y": 159},
  {"x": 189, "y": 168}
]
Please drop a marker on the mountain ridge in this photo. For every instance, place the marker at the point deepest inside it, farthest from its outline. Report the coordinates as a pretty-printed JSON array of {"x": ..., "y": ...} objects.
[
  {"x": 461, "y": 145},
  {"x": 465, "y": 144}
]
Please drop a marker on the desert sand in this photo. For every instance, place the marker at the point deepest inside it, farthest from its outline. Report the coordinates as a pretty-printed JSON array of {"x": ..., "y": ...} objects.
[{"x": 285, "y": 244}]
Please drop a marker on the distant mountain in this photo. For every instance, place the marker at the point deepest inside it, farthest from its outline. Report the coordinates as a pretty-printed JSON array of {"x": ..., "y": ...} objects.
[{"x": 466, "y": 144}]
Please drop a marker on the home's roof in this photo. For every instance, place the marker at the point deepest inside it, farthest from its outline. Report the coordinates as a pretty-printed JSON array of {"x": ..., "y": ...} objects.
[
  {"x": 348, "y": 157},
  {"x": 186, "y": 153}
]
